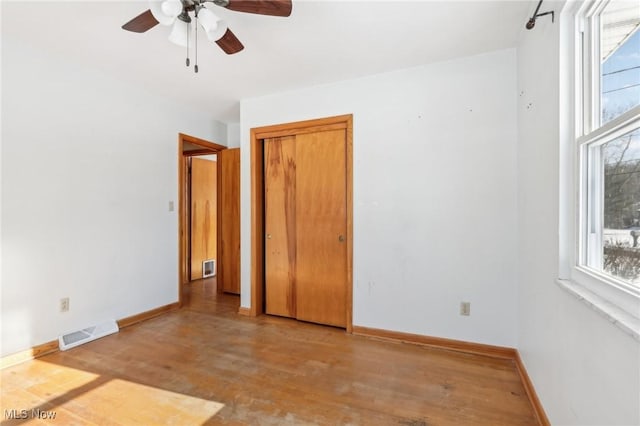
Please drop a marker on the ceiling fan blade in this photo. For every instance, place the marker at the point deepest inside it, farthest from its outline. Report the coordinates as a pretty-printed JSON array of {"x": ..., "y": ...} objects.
[
  {"x": 230, "y": 43},
  {"x": 261, "y": 7},
  {"x": 141, "y": 23}
]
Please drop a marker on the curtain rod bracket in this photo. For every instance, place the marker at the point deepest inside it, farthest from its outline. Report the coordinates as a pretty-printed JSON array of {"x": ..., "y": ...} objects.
[{"x": 532, "y": 21}]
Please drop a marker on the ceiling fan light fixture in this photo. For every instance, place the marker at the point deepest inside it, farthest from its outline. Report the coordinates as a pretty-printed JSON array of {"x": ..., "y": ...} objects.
[
  {"x": 184, "y": 16},
  {"x": 180, "y": 33},
  {"x": 179, "y": 15},
  {"x": 172, "y": 7},
  {"x": 158, "y": 11},
  {"x": 208, "y": 20},
  {"x": 219, "y": 31}
]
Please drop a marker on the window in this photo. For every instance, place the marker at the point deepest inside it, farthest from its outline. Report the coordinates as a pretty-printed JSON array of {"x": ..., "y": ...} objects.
[
  {"x": 608, "y": 142},
  {"x": 619, "y": 55}
]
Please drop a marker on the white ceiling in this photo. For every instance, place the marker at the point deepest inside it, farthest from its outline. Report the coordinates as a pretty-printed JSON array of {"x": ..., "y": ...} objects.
[{"x": 321, "y": 42}]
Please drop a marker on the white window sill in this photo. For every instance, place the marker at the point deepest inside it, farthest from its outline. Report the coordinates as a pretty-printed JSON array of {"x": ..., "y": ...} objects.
[{"x": 622, "y": 319}]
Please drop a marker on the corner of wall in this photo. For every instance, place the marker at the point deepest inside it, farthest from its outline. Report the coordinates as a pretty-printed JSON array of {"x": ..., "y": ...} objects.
[
  {"x": 219, "y": 132},
  {"x": 233, "y": 135}
]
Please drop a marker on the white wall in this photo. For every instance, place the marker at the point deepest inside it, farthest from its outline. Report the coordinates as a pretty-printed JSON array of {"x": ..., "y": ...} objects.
[
  {"x": 219, "y": 132},
  {"x": 89, "y": 165},
  {"x": 434, "y": 193},
  {"x": 585, "y": 370},
  {"x": 233, "y": 135}
]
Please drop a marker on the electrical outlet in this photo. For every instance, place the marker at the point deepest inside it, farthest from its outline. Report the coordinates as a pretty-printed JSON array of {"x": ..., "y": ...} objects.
[
  {"x": 465, "y": 308},
  {"x": 64, "y": 304}
]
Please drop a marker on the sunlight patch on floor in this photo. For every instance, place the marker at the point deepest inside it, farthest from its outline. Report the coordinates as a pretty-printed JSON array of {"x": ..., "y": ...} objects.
[
  {"x": 139, "y": 404},
  {"x": 73, "y": 396}
]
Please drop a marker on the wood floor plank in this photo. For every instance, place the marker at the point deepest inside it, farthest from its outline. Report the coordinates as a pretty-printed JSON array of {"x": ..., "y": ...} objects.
[{"x": 205, "y": 364}]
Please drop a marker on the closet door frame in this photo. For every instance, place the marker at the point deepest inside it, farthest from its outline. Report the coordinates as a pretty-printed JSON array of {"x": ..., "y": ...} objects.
[{"x": 257, "y": 201}]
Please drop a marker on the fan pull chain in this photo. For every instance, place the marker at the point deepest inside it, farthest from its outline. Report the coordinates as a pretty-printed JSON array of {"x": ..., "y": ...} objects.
[
  {"x": 195, "y": 67},
  {"x": 188, "y": 62}
]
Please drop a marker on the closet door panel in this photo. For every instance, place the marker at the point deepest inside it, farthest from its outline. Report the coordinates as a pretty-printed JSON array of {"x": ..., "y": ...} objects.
[
  {"x": 228, "y": 273},
  {"x": 320, "y": 212},
  {"x": 280, "y": 227}
]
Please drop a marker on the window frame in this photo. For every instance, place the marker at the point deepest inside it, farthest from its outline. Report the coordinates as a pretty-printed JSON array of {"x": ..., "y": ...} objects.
[
  {"x": 618, "y": 300},
  {"x": 592, "y": 190}
]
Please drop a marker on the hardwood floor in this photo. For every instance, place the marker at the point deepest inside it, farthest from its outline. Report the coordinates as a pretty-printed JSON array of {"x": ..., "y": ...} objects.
[{"x": 205, "y": 364}]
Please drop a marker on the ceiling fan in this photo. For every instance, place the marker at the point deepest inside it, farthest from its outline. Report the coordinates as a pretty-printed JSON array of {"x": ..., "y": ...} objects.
[{"x": 176, "y": 13}]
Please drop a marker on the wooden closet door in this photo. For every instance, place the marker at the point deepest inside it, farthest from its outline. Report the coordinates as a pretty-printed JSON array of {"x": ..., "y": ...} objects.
[
  {"x": 203, "y": 214},
  {"x": 229, "y": 233},
  {"x": 321, "y": 227},
  {"x": 280, "y": 226}
]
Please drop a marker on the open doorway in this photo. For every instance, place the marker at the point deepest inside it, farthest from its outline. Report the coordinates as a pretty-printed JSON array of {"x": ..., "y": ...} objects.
[{"x": 205, "y": 193}]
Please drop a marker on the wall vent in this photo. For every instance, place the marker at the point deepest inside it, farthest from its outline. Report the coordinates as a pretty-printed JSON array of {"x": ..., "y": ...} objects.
[
  {"x": 75, "y": 338},
  {"x": 208, "y": 268}
]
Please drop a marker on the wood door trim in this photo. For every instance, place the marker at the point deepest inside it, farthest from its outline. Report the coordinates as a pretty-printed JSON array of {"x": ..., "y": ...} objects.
[
  {"x": 207, "y": 148},
  {"x": 257, "y": 200},
  {"x": 206, "y": 145},
  {"x": 278, "y": 133},
  {"x": 306, "y": 126},
  {"x": 219, "y": 270},
  {"x": 349, "y": 196},
  {"x": 197, "y": 152},
  {"x": 257, "y": 225}
]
